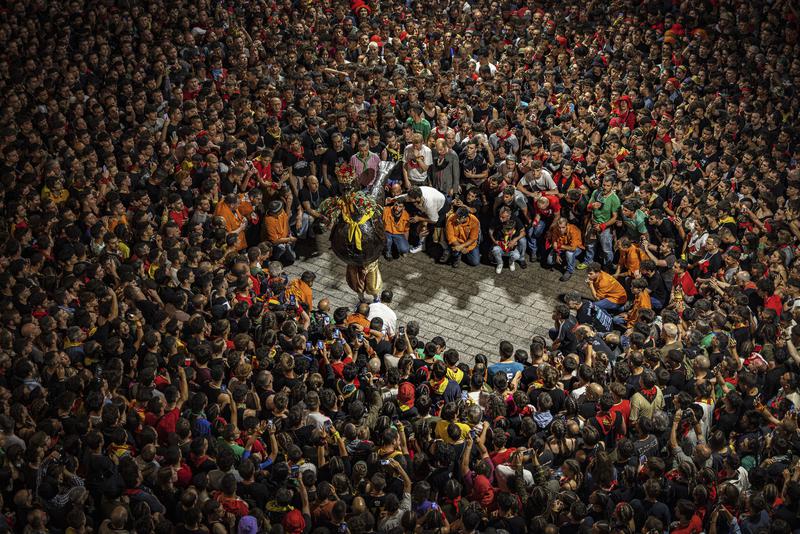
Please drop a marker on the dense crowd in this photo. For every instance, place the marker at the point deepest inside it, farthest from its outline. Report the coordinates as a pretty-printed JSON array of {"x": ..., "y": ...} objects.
[{"x": 162, "y": 162}]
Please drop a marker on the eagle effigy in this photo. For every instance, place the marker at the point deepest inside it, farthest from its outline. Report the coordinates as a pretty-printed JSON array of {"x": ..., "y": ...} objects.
[{"x": 355, "y": 219}]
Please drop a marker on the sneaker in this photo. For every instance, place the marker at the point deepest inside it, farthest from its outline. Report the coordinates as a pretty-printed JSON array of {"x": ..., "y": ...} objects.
[
  {"x": 445, "y": 257},
  {"x": 455, "y": 263},
  {"x": 581, "y": 266},
  {"x": 387, "y": 256},
  {"x": 512, "y": 267},
  {"x": 499, "y": 268},
  {"x": 565, "y": 277},
  {"x": 416, "y": 249},
  {"x": 523, "y": 264}
]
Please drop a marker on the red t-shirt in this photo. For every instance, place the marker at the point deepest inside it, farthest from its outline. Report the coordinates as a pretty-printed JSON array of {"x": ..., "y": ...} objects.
[
  {"x": 551, "y": 210},
  {"x": 774, "y": 302},
  {"x": 502, "y": 457},
  {"x": 166, "y": 425},
  {"x": 624, "y": 409}
]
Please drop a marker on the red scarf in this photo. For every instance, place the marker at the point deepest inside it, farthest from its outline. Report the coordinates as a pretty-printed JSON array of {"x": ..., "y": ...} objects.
[{"x": 649, "y": 394}]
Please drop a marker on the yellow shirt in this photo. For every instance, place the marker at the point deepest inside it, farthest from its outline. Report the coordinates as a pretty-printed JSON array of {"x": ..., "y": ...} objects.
[{"x": 441, "y": 431}]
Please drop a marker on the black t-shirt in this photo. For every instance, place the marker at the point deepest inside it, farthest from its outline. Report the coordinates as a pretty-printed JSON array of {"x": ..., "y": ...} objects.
[
  {"x": 256, "y": 492},
  {"x": 311, "y": 142},
  {"x": 299, "y": 163},
  {"x": 657, "y": 288},
  {"x": 500, "y": 233},
  {"x": 727, "y": 422},
  {"x": 476, "y": 165},
  {"x": 514, "y": 524},
  {"x": 333, "y": 159},
  {"x": 566, "y": 336},
  {"x": 588, "y": 314},
  {"x": 646, "y": 447},
  {"x": 314, "y": 199},
  {"x": 598, "y": 345}
]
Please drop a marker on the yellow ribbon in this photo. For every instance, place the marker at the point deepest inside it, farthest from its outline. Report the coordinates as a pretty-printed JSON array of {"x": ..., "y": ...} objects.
[{"x": 354, "y": 230}]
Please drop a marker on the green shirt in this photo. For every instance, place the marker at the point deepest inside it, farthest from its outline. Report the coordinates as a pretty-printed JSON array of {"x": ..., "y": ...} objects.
[
  {"x": 423, "y": 127},
  {"x": 610, "y": 205},
  {"x": 636, "y": 226}
]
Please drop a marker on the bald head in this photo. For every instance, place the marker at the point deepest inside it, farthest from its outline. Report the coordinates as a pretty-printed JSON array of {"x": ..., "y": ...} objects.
[
  {"x": 594, "y": 391},
  {"x": 359, "y": 506},
  {"x": 119, "y": 516},
  {"x": 670, "y": 332}
]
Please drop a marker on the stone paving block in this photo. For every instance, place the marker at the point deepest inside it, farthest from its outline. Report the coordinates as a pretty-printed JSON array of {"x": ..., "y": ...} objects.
[{"x": 473, "y": 308}]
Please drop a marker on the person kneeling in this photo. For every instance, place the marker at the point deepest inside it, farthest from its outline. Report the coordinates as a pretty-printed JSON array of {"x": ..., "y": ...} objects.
[
  {"x": 567, "y": 244},
  {"x": 461, "y": 238}
]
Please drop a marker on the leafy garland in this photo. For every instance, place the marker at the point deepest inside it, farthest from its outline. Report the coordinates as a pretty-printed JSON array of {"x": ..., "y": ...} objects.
[{"x": 356, "y": 201}]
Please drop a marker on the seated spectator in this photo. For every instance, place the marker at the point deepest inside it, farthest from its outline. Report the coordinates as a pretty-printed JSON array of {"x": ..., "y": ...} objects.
[
  {"x": 607, "y": 292},
  {"x": 508, "y": 237}
]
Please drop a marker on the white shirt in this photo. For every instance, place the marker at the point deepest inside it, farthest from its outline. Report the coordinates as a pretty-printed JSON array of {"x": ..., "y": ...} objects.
[
  {"x": 432, "y": 201},
  {"x": 318, "y": 419},
  {"x": 543, "y": 183},
  {"x": 414, "y": 173},
  {"x": 379, "y": 309}
]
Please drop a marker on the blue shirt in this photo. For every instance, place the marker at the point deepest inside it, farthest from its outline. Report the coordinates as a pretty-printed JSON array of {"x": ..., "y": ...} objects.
[{"x": 509, "y": 368}]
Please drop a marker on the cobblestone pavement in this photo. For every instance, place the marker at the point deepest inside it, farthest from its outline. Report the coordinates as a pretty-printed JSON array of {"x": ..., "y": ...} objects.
[{"x": 471, "y": 307}]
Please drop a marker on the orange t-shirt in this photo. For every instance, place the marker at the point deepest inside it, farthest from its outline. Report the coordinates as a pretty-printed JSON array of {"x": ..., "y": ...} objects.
[
  {"x": 607, "y": 287},
  {"x": 640, "y": 302},
  {"x": 630, "y": 259},
  {"x": 301, "y": 291},
  {"x": 276, "y": 227},
  {"x": 357, "y": 318},
  {"x": 392, "y": 225},
  {"x": 461, "y": 233},
  {"x": 232, "y": 222},
  {"x": 571, "y": 240}
]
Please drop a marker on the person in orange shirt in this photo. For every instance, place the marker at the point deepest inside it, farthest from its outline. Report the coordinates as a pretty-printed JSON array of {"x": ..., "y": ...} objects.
[
  {"x": 300, "y": 288},
  {"x": 641, "y": 301},
  {"x": 359, "y": 317},
  {"x": 630, "y": 259},
  {"x": 461, "y": 232},
  {"x": 235, "y": 222},
  {"x": 608, "y": 293},
  {"x": 567, "y": 244},
  {"x": 396, "y": 224},
  {"x": 276, "y": 233}
]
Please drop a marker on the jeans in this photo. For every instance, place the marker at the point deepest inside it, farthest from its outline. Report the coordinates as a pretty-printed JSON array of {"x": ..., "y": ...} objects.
[
  {"x": 656, "y": 303},
  {"x": 471, "y": 258},
  {"x": 399, "y": 241},
  {"x": 606, "y": 242},
  {"x": 535, "y": 233},
  {"x": 305, "y": 231},
  {"x": 498, "y": 254},
  {"x": 567, "y": 255},
  {"x": 611, "y": 307}
]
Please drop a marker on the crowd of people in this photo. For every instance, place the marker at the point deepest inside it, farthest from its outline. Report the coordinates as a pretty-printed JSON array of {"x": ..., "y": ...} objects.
[{"x": 160, "y": 162}]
